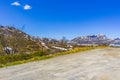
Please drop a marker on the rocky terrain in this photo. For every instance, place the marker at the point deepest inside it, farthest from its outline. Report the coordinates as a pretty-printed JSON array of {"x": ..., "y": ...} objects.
[{"x": 17, "y": 40}]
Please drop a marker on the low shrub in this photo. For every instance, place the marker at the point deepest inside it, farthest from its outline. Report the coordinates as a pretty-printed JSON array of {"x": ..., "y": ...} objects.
[
  {"x": 19, "y": 57},
  {"x": 13, "y": 59}
]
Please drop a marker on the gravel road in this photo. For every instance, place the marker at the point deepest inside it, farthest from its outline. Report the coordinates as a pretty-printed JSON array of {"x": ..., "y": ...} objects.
[{"x": 98, "y": 64}]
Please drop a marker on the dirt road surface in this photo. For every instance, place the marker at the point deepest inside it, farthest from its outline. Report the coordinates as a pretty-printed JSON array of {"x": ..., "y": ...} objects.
[{"x": 98, "y": 64}]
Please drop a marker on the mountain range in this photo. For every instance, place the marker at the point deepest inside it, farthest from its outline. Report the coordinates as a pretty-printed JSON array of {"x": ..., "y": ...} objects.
[
  {"x": 22, "y": 42},
  {"x": 98, "y": 39}
]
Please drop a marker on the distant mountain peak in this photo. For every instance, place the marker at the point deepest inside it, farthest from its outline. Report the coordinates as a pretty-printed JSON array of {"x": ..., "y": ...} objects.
[{"x": 90, "y": 39}]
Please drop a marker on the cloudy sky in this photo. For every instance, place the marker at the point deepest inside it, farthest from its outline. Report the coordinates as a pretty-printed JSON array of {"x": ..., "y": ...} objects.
[{"x": 57, "y": 18}]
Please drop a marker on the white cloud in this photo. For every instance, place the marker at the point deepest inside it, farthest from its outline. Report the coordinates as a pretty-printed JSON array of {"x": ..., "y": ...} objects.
[
  {"x": 27, "y": 7},
  {"x": 16, "y": 3}
]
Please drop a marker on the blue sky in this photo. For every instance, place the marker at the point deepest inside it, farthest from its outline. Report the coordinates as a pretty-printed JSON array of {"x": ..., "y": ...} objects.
[{"x": 58, "y": 18}]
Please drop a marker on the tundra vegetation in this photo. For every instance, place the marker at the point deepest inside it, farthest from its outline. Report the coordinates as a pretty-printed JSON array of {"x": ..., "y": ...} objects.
[{"x": 13, "y": 59}]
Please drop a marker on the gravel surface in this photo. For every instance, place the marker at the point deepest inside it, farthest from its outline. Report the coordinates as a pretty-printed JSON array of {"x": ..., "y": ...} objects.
[{"x": 98, "y": 64}]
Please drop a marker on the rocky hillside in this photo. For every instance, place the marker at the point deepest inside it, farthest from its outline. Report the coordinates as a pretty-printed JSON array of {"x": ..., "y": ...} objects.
[
  {"x": 21, "y": 42},
  {"x": 98, "y": 39},
  {"x": 17, "y": 40}
]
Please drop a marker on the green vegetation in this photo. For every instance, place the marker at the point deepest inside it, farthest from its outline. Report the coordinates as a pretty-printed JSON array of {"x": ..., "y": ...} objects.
[
  {"x": 14, "y": 59},
  {"x": 18, "y": 57}
]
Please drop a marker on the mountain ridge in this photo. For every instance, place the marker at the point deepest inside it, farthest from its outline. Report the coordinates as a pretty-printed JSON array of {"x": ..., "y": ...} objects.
[{"x": 22, "y": 42}]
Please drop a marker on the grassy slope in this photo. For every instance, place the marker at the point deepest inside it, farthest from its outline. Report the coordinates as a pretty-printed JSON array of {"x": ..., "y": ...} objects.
[{"x": 10, "y": 60}]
